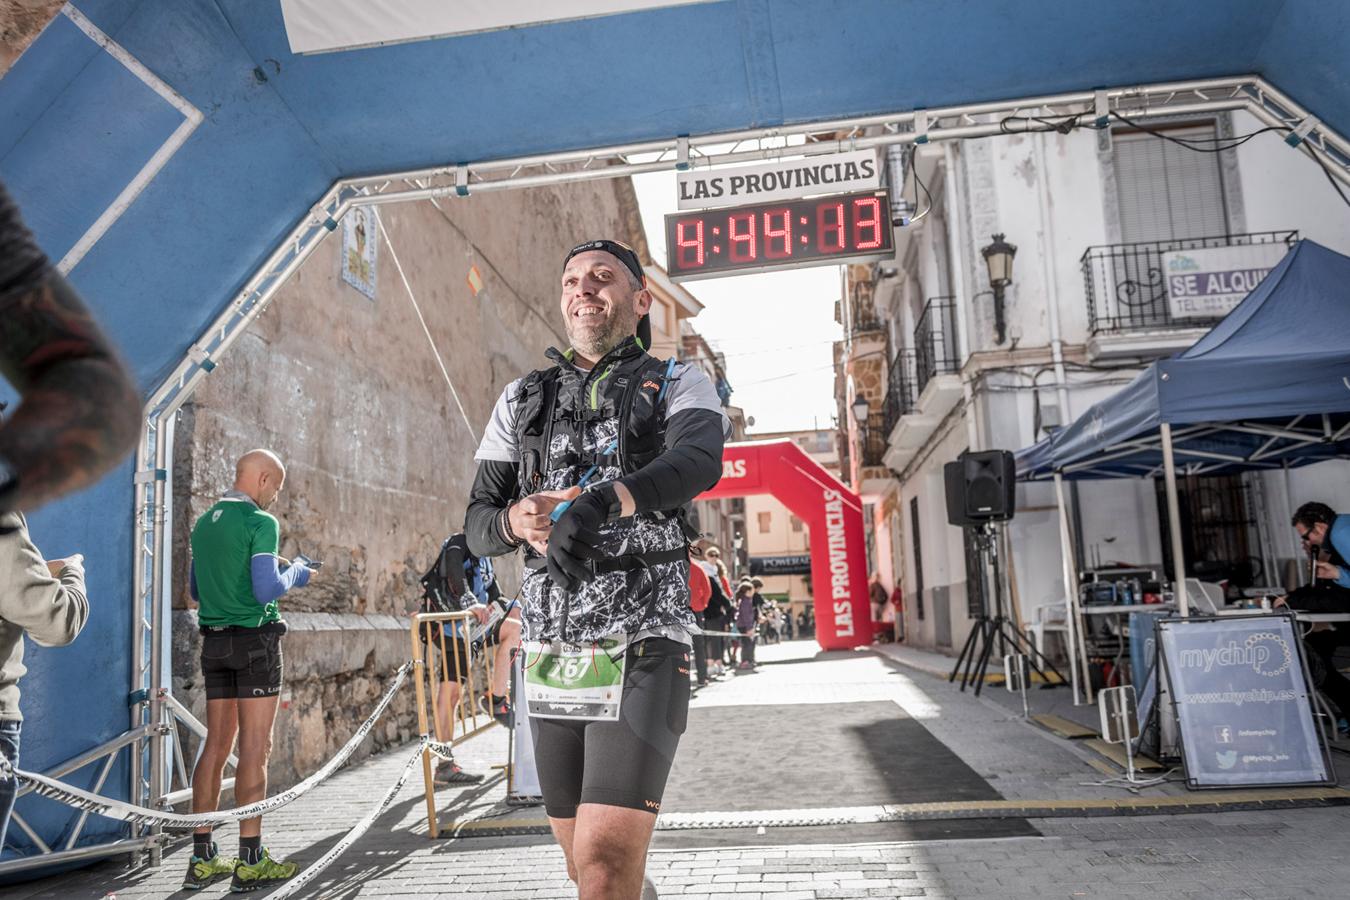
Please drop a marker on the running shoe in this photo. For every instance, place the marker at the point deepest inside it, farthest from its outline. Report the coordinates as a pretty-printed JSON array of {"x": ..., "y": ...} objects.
[
  {"x": 449, "y": 772},
  {"x": 264, "y": 873},
  {"x": 499, "y": 708},
  {"x": 203, "y": 873}
]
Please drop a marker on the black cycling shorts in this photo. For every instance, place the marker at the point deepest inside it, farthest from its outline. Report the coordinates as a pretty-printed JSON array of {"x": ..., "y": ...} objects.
[
  {"x": 624, "y": 763},
  {"x": 241, "y": 663}
]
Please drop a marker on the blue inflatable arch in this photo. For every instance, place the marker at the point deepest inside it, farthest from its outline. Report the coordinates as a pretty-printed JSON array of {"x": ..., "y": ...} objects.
[{"x": 181, "y": 161}]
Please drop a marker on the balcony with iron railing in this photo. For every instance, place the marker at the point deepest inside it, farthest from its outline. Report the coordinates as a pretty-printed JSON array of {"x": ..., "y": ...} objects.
[
  {"x": 901, "y": 397},
  {"x": 935, "y": 341},
  {"x": 1127, "y": 289},
  {"x": 873, "y": 439},
  {"x": 921, "y": 385}
]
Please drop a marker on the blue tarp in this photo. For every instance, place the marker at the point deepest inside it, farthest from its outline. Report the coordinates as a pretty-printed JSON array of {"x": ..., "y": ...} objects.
[
  {"x": 77, "y": 124},
  {"x": 1269, "y": 384}
]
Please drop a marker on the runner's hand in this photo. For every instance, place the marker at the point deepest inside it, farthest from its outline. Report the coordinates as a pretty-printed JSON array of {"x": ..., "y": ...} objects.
[
  {"x": 575, "y": 540},
  {"x": 530, "y": 517},
  {"x": 480, "y": 612}
]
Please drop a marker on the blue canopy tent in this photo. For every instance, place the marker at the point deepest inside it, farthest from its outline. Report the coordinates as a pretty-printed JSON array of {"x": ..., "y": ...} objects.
[
  {"x": 181, "y": 160},
  {"x": 1266, "y": 388}
]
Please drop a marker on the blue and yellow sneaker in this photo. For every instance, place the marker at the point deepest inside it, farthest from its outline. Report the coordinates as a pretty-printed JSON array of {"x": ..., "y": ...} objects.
[
  {"x": 264, "y": 873},
  {"x": 206, "y": 872}
]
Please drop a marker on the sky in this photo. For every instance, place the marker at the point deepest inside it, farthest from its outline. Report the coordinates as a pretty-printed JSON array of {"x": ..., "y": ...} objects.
[{"x": 776, "y": 328}]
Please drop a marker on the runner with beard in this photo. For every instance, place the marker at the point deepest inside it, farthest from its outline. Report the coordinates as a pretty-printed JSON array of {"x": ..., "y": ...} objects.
[{"x": 605, "y": 595}]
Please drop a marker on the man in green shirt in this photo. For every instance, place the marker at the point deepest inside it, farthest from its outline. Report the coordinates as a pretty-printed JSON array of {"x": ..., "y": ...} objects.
[{"x": 236, "y": 577}]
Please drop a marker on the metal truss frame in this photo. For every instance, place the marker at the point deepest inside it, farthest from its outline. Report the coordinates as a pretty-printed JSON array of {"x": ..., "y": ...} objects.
[{"x": 150, "y": 697}]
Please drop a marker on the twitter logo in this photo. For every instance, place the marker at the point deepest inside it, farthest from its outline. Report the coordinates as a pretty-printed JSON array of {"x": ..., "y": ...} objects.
[{"x": 1227, "y": 758}]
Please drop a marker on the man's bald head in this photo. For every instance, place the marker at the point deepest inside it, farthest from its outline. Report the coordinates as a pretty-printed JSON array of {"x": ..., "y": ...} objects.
[{"x": 260, "y": 474}]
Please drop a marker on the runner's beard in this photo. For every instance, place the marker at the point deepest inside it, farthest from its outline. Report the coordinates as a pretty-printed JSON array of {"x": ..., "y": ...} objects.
[{"x": 594, "y": 341}]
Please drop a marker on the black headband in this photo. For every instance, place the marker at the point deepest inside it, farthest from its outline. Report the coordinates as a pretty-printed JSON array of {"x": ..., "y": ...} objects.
[{"x": 622, "y": 252}]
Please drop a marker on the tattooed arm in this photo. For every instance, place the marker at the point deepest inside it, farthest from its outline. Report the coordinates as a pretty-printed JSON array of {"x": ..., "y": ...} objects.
[{"x": 81, "y": 411}]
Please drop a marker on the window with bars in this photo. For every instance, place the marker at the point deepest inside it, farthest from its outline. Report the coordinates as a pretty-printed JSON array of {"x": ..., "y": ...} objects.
[{"x": 1166, "y": 191}]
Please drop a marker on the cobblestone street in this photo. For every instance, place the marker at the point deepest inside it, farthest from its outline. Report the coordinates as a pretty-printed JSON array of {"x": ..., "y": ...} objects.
[{"x": 1249, "y": 853}]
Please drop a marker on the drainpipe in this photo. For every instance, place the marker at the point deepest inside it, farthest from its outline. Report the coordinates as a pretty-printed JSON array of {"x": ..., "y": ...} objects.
[
  {"x": 1048, "y": 273},
  {"x": 958, "y": 272}
]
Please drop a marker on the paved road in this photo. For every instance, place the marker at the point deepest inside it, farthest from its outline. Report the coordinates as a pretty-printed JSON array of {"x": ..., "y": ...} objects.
[{"x": 1291, "y": 853}]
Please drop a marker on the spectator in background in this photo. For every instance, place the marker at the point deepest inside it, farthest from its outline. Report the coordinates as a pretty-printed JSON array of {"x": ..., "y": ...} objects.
[
  {"x": 700, "y": 592},
  {"x": 898, "y": 612},
  {"x": 237, "y": 579},
  {"x": 724, "y": 578},
  {"x": 877, "y": 592},
  {"x": 717, "y": 615},
  {"x": 746, "y": 622},
  {"x": 46, "y": 600},
  {"x": 459, "y": 581}
]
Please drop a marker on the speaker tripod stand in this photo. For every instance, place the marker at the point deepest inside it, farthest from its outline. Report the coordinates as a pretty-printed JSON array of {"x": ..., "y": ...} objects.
[{"x": 997, "y": 629}]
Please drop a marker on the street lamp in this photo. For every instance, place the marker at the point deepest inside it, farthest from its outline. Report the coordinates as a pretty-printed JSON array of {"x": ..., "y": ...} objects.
[
  {"x": 998, "y": 256},
  {"x": 861, "y": 410}
]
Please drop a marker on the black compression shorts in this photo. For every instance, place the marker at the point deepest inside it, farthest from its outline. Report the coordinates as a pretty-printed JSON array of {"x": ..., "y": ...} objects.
[
  {"x": 242, "y": 663},
  {"x": 623, "y": 763}
]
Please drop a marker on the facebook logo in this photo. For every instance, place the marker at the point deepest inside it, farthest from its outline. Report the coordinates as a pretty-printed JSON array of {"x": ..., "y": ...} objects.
[{"x": 1223, "y": 734}]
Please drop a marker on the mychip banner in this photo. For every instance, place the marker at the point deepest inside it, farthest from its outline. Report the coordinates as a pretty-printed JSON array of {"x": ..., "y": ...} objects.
[{"x": 1242, "y": 702}]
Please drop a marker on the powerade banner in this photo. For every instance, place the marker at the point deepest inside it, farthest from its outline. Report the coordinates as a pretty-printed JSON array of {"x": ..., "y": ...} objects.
[
  {"x": 795, "y": 564},
  {"x": 1241, "y": 701}
]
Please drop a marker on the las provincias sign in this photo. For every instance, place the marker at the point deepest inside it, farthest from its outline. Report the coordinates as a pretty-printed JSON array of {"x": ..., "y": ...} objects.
[{"x": 835, "y": 173}]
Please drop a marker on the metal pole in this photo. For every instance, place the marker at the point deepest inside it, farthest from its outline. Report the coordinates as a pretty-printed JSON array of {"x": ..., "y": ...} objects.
[
  {"x": 1174, "y": 521},
  {"x": 419, "y": 676},
  {"x": 138, "y": 629},
  {"x": 1082, "y": 689},
  {"x": 955, "y": 218},
  {"x": 157, "y": 604}
]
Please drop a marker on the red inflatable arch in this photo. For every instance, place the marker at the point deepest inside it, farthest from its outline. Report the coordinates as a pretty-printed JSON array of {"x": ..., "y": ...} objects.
[{"x": 832, "y": 512}]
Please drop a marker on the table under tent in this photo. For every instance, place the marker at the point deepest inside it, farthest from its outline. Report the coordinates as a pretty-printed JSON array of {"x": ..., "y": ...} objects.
[{"x": 1268, "y": 388}]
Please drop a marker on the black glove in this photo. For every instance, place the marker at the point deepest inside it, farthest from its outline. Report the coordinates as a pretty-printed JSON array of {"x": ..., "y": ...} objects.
[{"x": 574, "y": 540}]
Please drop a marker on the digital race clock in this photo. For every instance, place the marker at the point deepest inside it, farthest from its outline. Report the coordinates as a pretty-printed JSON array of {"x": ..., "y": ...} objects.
[{"x": 783, "y": 235}]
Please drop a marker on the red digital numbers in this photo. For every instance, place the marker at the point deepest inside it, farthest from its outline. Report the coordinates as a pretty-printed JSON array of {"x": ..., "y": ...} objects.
[
  {"x": 783, "y": 234},
  {"x": 866, "y": 215},
  {"x": 778, "y": 240},
  {"x": 741, "y": 233},
  {"x": 690, "y": 253},
  {"x": 830, "y": 227}
]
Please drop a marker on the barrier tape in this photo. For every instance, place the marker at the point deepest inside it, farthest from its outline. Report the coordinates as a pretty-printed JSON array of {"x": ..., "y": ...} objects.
[
  {"x": 312, "y": 871},
  {"x": 127, "y": 812}
]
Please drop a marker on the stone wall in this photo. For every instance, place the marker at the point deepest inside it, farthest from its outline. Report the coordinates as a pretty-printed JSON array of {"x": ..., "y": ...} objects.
[{"x": 379, "y": 459}]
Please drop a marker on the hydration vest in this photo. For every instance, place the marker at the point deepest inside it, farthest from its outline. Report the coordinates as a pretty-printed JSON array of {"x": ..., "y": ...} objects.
[
  {"x": 567, "y": 421},
  {"x": 439, "y": 590}
]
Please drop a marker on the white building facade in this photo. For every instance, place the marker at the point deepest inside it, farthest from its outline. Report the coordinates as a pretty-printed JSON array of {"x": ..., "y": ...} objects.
[{"x": 1092, "y": 214}]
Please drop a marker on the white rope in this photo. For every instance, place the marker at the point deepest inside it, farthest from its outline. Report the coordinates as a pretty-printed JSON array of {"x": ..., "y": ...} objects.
[
  {"x": 128, "y": 812},
  {"x": 412, "y": 297},
  {"x": 312, "y": 871}
]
